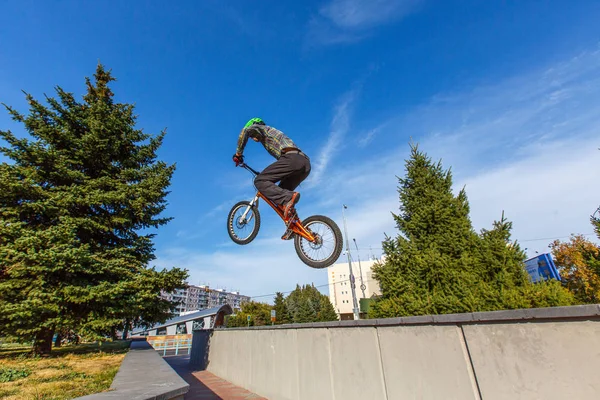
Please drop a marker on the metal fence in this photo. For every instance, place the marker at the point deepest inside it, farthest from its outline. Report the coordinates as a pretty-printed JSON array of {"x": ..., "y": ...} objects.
[{"x": 172, "y": 345}]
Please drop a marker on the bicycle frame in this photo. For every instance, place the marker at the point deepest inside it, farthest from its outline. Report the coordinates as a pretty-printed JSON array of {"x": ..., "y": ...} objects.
[{"x": 292, "y": 223}]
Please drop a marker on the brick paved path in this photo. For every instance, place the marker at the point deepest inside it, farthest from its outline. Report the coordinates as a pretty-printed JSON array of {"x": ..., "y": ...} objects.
[{"x": 206, "y": 386}]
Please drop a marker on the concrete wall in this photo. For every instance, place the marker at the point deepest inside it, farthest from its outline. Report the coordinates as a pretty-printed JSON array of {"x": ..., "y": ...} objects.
[{"x": 551, "y": 353}]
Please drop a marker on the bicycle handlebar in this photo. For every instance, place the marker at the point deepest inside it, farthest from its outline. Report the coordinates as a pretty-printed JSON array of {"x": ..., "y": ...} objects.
[{"x": 249, "y": 168}]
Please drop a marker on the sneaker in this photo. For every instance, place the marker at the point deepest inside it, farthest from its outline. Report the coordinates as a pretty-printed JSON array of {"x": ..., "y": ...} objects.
[{"x": 289, "y": 206}]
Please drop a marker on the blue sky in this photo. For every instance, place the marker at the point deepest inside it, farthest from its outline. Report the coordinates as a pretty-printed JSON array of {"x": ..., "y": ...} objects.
[{"x": 507, "y": 93}]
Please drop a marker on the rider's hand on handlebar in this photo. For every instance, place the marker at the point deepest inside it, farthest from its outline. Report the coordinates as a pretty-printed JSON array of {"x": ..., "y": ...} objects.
[{"x": 238, "y": 159}]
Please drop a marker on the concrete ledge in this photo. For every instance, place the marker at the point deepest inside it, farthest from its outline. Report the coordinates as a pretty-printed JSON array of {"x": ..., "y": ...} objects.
[
  {"x": 144, "y": 375},
  {"x": 502, "y": 355},
  {"x": 585, "y": 312}
]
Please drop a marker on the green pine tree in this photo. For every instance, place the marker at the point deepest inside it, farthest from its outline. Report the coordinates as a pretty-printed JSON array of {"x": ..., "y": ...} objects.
[
  {"x": 293, "y": 301},
  {"x": 282, "y": 315},
  {"x": 305, "y": 313},
  {"x": 501, "y": 264},
  {"x": 326, "y": 310},
  {"x": 304, "y": 304},
  {"x": 501, "y": 259},
  {"x": 438, "y": 264},
  {"x": 428, "y": 269},
  {"x": 313, "y": 297},
  {"x": 78, "y": 199}
]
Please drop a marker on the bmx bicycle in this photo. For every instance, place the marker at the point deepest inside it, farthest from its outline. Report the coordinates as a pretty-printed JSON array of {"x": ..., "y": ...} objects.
[{"x": 317, "y": 239}]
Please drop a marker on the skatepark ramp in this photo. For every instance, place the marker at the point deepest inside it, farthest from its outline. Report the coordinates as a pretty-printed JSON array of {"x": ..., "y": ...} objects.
[{"x": 548, "y": 353}]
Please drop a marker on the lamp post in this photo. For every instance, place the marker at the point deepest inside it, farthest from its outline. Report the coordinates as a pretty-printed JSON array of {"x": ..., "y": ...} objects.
[
  {"x": 362, "y": 284},
  {"x": 352, "y": 283}
]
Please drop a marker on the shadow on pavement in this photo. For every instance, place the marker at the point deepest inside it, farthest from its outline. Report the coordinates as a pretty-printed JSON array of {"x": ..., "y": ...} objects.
[{"x": 198, "y": 390}]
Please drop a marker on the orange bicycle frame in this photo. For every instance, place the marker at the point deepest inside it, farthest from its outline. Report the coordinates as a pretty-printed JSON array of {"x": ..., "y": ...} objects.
[{"x": 292, "y": 223}]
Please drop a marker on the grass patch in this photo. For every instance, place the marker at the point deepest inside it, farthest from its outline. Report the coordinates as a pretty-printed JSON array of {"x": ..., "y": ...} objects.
[
  {"x": 69, "y": 372},
  {"x": 12, "y": 374}
]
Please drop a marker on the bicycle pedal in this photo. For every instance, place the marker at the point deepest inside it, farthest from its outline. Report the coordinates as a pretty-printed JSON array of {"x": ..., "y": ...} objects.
[{"x": 287, "y": 235}]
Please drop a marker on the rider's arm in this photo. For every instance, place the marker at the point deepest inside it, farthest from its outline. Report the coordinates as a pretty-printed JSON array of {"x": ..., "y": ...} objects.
[
  {"x": 242, "y": 140},
  {"x": 251, "y": 131}
]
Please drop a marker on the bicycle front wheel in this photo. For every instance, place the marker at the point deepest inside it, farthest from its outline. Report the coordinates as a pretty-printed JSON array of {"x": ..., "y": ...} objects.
[
  {"x": 326, "y": 249},
  {"x": 243, "y": 222}
]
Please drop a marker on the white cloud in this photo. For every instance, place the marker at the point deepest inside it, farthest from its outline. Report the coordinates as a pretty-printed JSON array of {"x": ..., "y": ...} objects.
[
  {"x": 218, "y": 210},
  {"x": 338, "y": 129},
  {"x": 361, "y": 14},
  {"x": 550, "y": 193},
  {"x": 368, "y": 137},
  {"x": 343, "y": 21}
]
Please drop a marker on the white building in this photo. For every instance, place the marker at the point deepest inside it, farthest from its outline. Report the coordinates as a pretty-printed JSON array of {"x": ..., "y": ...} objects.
[
  {"x": 194, "y": 298},
  {"x": 340, "y": 289}
]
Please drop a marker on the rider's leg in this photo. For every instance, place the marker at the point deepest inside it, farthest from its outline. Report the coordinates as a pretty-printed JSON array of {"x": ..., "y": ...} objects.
[
  {"x": 291, "y": 182},
  {"x": 288, "y": 165}
]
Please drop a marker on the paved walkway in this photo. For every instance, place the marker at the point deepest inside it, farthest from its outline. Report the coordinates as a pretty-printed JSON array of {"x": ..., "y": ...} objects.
[{"x": 206, "y": 386}]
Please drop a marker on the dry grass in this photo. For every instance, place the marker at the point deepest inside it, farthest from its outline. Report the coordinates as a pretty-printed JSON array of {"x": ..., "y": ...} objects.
[{"x": 70, "y": 371}]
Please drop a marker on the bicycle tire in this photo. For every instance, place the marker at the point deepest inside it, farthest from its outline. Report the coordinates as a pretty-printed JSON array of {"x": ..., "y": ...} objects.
[
  {"x": 230, "y": 222},
  {"x": 337, "y": 246}
]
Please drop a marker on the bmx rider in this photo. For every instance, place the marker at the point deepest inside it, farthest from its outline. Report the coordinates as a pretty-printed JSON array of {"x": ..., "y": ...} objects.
[{"x": 291, "y": 168}]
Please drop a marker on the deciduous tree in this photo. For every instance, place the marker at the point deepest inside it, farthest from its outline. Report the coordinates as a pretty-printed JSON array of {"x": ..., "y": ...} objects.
[{"x": 578, "y": 261}]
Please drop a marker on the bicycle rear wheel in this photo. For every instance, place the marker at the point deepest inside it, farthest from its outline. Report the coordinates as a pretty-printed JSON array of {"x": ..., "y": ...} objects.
[
  {"x": 328, "y": 247},
  {"x": 242, "y": 230}
]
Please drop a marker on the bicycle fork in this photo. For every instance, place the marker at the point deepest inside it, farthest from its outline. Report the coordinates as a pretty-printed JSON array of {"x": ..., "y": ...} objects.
[{"x": 252, "y": 203}]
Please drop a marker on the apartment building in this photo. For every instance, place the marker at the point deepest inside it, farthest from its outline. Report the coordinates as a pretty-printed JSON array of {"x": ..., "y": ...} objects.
[
  {"x": 340, "y": 288},
  {"x": 194, "y": 298}
]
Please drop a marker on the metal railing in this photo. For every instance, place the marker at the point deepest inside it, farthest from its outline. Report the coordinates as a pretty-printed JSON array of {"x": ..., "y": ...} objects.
[{"x": 180, "y": 345}]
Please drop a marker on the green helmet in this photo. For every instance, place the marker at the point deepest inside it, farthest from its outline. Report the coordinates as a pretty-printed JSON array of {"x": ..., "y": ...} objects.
[{"x": 254, "y": 121}]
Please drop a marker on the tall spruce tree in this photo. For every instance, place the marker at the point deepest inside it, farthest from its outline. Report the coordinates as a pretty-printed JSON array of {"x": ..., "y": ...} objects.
[
  {"x": 307, "y": 304},
  {"x": 326, "y": 310},
  {"x": 501, "y": 261},
  {"x": 306, "y": 312},
  {"x": 282, "y": 315},
  {"x": 428, "y": 267},
  {"x": 77, "y": 201},
  {"x": 501, "y": 267},
  {"x": 438, "y": 264},
  {"x": 293, "y": 301}
]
